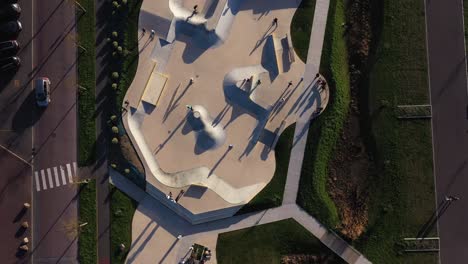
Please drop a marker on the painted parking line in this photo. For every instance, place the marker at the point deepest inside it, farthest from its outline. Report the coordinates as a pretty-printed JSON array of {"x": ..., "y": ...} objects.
[
  {"x": 57, "y": 182},
  {"x": 49, "y": 174},
  {"x": 36, "y": 176},
  {"x": 44, "y": 184},
  {"x": 70, "y": 176}
]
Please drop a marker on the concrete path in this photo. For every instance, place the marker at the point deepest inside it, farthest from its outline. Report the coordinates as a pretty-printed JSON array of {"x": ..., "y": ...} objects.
[
  {"x": 156, "y": 229},
  {"x": 302, "y": 125}
]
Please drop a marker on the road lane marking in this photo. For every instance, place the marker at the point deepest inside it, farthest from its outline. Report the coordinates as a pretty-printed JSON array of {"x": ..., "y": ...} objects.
[
  {"x": 70, "y": 179},
  {"x": 44, "y": 184},
  {"x": 36, "y": 176},
  {"x": 75, "y": 169},
  {"x": 49, "y": 174},
  {"x": 57, "y": 182},
  {"x": 62, "y": 172}
]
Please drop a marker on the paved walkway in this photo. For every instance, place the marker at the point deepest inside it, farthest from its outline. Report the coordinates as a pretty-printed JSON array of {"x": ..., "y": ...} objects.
[
  {"x": 156, "y": 228},
  {"x": 302, "y": 124}
]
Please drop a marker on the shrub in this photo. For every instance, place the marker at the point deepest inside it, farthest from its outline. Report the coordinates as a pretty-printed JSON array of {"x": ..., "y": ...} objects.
[
  {"x": 115, "y": 44},
  {"x": 127, "y": 171},
  {"x": 124, "y": 2},
  {"x": 115, "y": 140},
  {"x": 115, "y": 75},
  {"x": 119, "y": 49},
  {"x": 113, "y": 117},
  {"x": 115, "y": 34},
  {"x": 114, "y": 86},
  {"x": 115, "y": 4},
  {"x": 113, "y": 165},
  {"x": 115, "y": 130}
]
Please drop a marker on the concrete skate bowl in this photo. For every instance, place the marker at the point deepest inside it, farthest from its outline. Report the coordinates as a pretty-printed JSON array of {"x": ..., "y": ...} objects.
[
  {"x": 195, "y": 176},
  {"x": 207, "y": 137}
]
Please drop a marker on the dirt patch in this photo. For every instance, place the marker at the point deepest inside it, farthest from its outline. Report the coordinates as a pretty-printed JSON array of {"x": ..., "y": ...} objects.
[
  {"x": 351, "y": 164},
  {"x": 129, "y": 153},
  {"x": 306, "y": 259}
]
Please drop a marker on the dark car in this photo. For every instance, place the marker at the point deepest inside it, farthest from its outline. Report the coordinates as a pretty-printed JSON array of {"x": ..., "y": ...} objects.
[
  {"x": 8, "y": 48},
  {"x": 10, "y": 28},
  {"x": 10, "y": 63},
  {"x": 10, "y": 11}
]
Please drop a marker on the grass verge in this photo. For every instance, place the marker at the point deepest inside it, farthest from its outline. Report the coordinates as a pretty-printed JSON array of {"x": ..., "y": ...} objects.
[
  {"x": 272, "y": 194},
  {"x": 402, "y": 190},
  {"x": 269, "y": 243},
  {"x": 122, "y": 211},
  {"x": 325, "y": 130},
  {"x": 87, "y": 243},
  {"x": 86, "y": 83}
]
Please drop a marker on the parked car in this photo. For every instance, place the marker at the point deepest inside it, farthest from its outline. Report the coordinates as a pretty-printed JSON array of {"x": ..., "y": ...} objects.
[
  {"x": 10, "y": 28},
  {"x": 8, "y": 48},
  {"x": 42, "y": 91},
  {"x": 9, "y": 64},
  {"x": 10, "y": 11}
]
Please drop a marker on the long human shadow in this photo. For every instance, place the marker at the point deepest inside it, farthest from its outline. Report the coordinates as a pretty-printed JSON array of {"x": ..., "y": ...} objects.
[
  {"x": 168, "y": 251},
  {"x": 173, "y": 104},
  {"x": 161, "y": 146},
  {"x": 41, "y": 27},
  {"x": 263, "y": 38},
  {"x": 131, "y": 258},
  {"x": 215, "y": 166},
  {"x": 221, "y": 115},
  {"x": 38, "y": 244}
]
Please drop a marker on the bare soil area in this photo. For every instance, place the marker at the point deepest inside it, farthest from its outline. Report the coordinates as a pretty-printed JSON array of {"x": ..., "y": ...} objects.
[
  {"x": 351, "y": 165},
  {"x": 305, "y": 259}
]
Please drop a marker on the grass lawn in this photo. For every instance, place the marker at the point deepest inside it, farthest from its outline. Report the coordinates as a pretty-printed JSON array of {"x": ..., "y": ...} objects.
[
  {"x": 87, "y": 243},
  {"x": 301, "y": 26},
  {"x": 122, "y": 210},
  {"x": 402, "y": 191},
  {"x": 272, "y": 194},
  {"x": 268, "y": 243},
  {"x": 86, "y": 82},
  {"x": 325, "y": 130}
]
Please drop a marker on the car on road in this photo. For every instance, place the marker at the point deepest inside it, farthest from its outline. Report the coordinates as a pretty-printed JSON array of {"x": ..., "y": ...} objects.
[
  {"x": 9, "y": 64},
  {"x": 8, "y": 48},
  {"x": 10, "y": 11},
  {"x": 10, "y": 28},
  {"x": 42, "y": 91}
]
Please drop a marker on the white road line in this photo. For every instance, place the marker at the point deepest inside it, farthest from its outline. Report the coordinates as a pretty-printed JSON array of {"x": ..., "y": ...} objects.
[
  {"x": 75, "y": 169},
  {"x": 70, "y": 176},
  {"x": 44, "y": 184},
  {"x": 57, "y": 182},
  {"x": 38, "y": 185},
  {"x": 62, "y": 172},
  {"x": 49, "y": 174}
]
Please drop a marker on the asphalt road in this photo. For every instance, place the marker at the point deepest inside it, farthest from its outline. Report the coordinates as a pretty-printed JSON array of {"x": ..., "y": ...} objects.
[
  {"x": 448, "y": 84},
  {"x": 56, "y": 211},
  {"x": 15, "y": 147}
]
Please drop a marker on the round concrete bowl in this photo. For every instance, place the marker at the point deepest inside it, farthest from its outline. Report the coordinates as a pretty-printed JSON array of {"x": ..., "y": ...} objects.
[{"x": 208, "y": 137}]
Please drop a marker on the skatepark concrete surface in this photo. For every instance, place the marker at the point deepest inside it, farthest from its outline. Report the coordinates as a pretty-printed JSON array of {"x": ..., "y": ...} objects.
[{"x": 213, "y": 92}]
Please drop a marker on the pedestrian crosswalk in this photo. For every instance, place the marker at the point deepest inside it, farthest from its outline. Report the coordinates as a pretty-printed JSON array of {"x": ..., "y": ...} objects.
[{"x": 55, "y": 177}]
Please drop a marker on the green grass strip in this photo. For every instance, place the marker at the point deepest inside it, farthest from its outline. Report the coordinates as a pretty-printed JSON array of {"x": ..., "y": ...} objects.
[
  {"x": 272, "y": 194},
  {"x": 87, "y": 243},
  {"x": 402, "y": 189},
  {"x": 269, "y": 242},
  {"x": 122, "y": 210},
  {"x": 86, "y": 82},
  {"x": 325, "y": 130}
]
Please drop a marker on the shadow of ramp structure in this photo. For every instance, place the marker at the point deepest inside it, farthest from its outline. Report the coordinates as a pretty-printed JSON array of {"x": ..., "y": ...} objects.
[{"x": 207, "y": 136}]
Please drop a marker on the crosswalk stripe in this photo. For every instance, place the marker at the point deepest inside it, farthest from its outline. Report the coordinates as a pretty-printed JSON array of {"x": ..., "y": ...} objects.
[
  {"x": 75, "y": 169},
  {"x": 70, "y": 179},
  {"x": 44, "y": 185},
  {"x": 38, "y": 185},
  {"x": 62, "y": 172},
  {"x": 57, "y": 182},
  {"x": 49, "y": 174}
]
